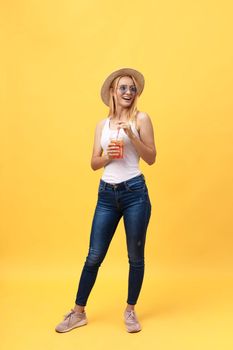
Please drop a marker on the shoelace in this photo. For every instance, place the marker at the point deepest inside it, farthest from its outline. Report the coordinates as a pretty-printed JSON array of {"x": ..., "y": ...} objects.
[
  {"x": 131, "y": 317},
  {"x": 68, "y": 315}
]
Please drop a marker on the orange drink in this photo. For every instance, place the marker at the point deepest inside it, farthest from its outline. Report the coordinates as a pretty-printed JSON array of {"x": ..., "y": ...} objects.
[{"x": 118, "y": 142}]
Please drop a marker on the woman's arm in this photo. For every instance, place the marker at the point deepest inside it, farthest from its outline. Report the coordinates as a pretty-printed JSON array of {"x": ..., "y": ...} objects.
[
  {"x": 97, "y": 160},
  {"x": 145, "y": 146}
]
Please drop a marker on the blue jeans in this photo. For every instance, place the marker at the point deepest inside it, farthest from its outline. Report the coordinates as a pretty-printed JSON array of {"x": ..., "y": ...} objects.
[{"x": 129, "y": 199}]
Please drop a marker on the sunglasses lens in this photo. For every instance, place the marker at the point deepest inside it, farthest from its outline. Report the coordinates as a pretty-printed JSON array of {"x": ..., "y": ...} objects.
[
  {"x": 123, "y": 89},
  {"x": 133, "y": 89}
]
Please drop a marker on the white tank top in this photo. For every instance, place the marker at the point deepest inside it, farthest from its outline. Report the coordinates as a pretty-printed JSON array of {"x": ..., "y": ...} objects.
[{"x": 119, "y": 170}]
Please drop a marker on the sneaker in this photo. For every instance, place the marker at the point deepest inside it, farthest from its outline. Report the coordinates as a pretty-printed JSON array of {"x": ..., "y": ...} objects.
[
  {"x": 71, "y": 320},
  {"x": 131, "y": 322}
]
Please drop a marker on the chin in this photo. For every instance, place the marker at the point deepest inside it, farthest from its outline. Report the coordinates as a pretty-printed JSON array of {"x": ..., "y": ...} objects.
[{"x": 126, "y": 105}]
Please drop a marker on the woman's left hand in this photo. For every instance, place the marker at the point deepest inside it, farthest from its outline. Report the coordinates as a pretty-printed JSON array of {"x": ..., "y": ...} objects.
[{"x": 126, "y": 127}]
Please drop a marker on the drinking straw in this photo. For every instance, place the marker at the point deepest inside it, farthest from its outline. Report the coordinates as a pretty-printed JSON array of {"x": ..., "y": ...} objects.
[{"x": 117, "y": 133}]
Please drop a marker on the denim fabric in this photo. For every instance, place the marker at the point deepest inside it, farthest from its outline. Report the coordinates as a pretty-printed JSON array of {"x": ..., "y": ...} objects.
[{"x": 129, "y": 199}]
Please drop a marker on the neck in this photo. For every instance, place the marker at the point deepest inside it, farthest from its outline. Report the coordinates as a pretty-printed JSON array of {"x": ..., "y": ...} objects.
[{"x": 121, "y": 113}]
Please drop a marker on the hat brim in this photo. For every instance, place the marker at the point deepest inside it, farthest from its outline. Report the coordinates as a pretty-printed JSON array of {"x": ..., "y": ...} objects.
[{"x": 105, "y": 90}]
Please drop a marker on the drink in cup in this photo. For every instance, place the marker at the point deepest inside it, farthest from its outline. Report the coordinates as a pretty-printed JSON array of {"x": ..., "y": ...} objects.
[{"x": 118, "y": 142}]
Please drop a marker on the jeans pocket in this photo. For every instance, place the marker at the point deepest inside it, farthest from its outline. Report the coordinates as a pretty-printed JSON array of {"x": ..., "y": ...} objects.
[{"x": 137, "y": 186}]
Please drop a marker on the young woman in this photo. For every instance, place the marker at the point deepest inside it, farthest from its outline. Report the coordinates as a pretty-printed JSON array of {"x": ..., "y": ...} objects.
[{"x": 122, "y": 191}]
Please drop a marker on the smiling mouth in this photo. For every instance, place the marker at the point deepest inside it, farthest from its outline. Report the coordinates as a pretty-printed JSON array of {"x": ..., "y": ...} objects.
[{"x": 127, "y": 98}]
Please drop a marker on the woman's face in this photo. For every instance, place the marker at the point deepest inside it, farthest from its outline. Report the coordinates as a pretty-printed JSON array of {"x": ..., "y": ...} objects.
[{"x": 125, "y": 92}]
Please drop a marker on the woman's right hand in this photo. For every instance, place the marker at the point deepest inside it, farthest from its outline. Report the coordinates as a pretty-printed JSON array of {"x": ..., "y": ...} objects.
[{"x": 113, "y": 150}]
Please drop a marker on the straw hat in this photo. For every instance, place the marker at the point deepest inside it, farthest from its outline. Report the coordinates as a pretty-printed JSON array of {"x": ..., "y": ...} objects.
[{"x": 105, "y": 93}]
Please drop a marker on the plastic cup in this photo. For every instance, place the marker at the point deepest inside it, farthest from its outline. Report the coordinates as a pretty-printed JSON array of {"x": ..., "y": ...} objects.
[{"x": 118, "y": 142}]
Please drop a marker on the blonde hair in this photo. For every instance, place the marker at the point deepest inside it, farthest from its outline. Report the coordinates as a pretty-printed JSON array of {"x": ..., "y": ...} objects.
[{"x": 132, "y": 111}]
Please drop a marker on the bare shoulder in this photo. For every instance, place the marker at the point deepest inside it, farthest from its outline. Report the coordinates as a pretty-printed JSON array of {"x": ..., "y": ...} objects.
[
  {"x": 142, "y": 119},
  {"x": 142, "y": 116},
  {"x": 100, "y": 124}
]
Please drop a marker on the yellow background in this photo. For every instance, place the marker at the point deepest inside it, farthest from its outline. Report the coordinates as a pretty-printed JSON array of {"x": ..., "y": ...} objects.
[{"x": 54, "y": 58}]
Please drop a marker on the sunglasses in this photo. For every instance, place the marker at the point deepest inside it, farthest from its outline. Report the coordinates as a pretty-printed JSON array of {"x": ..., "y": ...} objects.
[{"x": 124, "y": 88}]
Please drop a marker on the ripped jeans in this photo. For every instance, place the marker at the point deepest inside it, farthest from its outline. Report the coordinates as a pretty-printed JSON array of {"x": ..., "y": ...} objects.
[{"x": 129, "y": 199}]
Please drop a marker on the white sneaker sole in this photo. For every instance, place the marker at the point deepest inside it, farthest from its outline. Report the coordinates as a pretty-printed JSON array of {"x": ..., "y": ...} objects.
[
  {"x": 133, "y": 331},
  {"x": 79, "y": 324}
]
